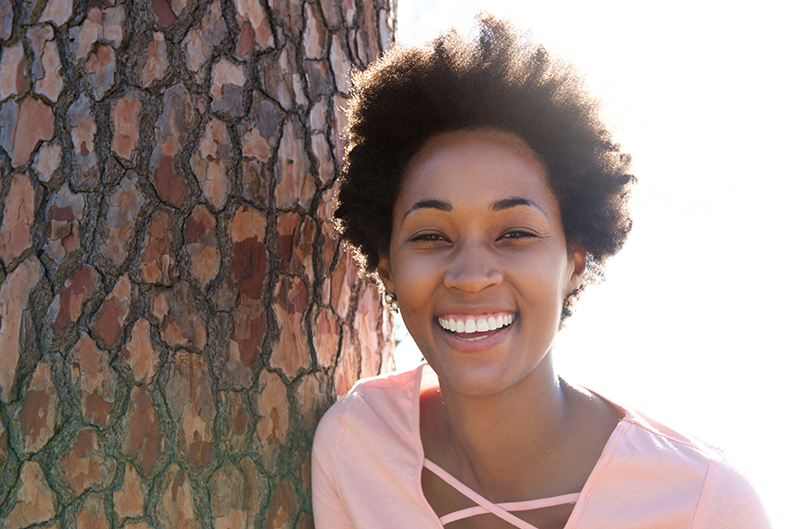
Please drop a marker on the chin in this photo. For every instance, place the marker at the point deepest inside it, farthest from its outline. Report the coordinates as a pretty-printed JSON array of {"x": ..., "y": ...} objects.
[{"x": 481, "y": 381}]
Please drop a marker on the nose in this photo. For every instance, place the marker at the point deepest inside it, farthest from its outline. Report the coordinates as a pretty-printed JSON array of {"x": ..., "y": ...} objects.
[{"x": 472, "y": 269}]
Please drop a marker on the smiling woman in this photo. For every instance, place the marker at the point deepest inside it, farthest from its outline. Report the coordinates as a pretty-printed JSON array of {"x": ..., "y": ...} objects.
[
  {"x": 484, "y": 191},
  {"x": 477, "y": 234}
]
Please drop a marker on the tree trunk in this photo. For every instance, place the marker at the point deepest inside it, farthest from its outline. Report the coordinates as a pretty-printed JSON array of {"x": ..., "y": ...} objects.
[{"x": 176, "y": 312}]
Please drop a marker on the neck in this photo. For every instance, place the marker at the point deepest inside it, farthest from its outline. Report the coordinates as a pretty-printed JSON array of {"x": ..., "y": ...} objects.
[{"x": 502, "y": 444}]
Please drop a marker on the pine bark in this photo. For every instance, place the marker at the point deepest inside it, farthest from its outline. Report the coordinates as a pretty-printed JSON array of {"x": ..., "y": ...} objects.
[{"x": 176, "y": 311}]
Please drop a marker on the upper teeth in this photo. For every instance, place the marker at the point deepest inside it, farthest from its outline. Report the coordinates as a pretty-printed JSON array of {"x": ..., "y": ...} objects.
[{"x": 480, "y": 324}]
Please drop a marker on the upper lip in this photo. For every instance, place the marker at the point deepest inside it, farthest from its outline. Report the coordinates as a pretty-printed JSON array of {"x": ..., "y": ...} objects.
[{"x": 473, "y": 311}]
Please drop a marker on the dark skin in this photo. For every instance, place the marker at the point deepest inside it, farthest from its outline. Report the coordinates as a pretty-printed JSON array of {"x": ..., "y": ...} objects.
[
  {"x": 556, "y": 460},
  {"x": 477, "y": 234}
]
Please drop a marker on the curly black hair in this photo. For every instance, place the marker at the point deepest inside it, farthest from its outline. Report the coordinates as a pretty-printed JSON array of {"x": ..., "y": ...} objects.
[{"x": 500, "y": 80}]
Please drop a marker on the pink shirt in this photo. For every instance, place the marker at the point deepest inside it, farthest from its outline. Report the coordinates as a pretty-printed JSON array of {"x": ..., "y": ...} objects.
[{"x": 368, "y": 459}]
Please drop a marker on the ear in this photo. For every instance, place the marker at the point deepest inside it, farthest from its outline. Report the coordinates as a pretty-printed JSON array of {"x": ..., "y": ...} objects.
[
  {"x": 577, "y": 259},
  {"x": 384, "y": 272}
]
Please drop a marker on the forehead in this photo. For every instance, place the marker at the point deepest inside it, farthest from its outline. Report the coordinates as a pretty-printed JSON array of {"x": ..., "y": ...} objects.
[{"x": 475, "y": 166}]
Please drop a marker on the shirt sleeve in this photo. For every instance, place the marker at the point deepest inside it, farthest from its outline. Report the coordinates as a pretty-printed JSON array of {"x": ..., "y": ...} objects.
[
  {"x": 728, "y": 501},
  {"x": 328, "y": 509}
]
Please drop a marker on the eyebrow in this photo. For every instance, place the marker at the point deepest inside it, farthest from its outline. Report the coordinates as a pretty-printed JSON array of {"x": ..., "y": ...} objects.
[
  {"x": 499, "y": 205},
  {"x": 513, "y": 202},
  {"x": 430, "y": 203}
]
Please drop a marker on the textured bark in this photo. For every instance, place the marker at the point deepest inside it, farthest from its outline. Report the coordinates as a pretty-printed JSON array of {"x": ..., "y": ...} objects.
[{"x": 175, "y": 311}]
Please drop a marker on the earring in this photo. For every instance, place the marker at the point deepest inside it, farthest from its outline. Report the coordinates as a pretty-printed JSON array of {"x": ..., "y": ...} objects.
[
  {"x": 571, "y": 299},
  {"x": 393, "y": 303}
]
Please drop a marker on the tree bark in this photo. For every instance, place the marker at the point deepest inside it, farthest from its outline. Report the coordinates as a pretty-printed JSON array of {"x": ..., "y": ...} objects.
[{"x": 175, "y": 309}]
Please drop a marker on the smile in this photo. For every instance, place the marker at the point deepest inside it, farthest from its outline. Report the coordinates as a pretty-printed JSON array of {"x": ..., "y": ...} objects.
[{"x": 475, "y": 325}]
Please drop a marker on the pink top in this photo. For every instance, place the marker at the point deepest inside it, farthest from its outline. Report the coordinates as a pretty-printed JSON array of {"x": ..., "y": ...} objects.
[{"x": 368, "y": 459}]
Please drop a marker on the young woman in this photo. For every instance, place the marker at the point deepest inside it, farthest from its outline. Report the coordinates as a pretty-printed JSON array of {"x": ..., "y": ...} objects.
[{"x": 483, "y": 189}]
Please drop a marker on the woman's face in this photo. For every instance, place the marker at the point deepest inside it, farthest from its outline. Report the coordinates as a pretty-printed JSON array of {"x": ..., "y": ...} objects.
[{"x": 478, "y": 259}]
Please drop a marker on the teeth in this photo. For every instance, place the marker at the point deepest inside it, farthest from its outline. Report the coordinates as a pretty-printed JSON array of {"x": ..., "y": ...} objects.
[{"x": 481, "y": 324}]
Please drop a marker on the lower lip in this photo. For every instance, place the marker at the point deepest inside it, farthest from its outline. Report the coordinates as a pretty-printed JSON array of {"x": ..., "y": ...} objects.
[{"x": 474, "y": 336}]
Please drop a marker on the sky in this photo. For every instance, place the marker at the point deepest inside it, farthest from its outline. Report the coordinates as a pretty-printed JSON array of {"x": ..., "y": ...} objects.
[{"x": 692, "y": 324}]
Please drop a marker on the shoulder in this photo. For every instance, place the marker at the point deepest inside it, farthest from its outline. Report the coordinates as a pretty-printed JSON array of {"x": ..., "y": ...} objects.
[
  {"x": 661, "y": 473},
  {"x": 388, "y": 398},
  {"x": 641, "y": 440},
  {"x": 728, "y": 499},
  {"x": 367, "y": 456},
  {"x": 373, "y": 407}
]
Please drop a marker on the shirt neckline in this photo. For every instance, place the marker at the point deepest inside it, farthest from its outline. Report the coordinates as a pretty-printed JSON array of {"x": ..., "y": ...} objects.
[{"x": 426, "y": 377}]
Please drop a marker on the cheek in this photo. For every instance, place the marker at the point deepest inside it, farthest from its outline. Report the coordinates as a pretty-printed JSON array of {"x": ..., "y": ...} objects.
[
  {"x": 414, "y": 281},
  {"x": 540, "y": 283},
  {"x": 545, "y": 267}
]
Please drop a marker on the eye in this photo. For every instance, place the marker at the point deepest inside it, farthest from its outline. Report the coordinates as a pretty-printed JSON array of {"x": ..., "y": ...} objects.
[
  {"x": 427, "y": 237},
  {"x": 518, "y": 234}
]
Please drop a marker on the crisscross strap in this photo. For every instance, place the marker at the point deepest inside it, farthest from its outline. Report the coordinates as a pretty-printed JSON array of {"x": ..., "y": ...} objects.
[{"x": 501, "y": 510}]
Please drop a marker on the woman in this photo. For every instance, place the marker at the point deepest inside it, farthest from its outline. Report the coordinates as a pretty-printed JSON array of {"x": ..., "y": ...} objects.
[{"x": 484, "y": 191}]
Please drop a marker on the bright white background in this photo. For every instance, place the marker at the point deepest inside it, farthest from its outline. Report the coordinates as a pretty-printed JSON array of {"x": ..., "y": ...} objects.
[{"x": 693, "y": 323}]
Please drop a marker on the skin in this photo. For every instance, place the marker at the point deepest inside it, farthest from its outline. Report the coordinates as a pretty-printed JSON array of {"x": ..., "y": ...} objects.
[{"x": 477, "y": 232}]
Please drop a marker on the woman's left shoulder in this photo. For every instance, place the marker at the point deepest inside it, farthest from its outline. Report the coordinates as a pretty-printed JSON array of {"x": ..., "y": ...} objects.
[
  {"x": 728, "y": 500},
  {"x": 681, "y": 472}
]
